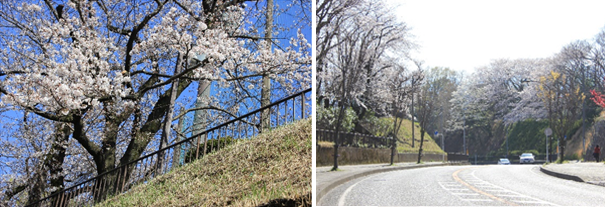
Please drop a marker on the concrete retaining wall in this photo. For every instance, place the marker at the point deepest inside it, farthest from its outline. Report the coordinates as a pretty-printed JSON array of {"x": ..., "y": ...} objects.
[{"x": 356, "y": 156}]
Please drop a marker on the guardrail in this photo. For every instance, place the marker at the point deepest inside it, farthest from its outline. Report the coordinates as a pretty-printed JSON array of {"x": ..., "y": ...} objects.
[
  {"x": 124, "y": 177},
  {"x": 353, "y": 139}
]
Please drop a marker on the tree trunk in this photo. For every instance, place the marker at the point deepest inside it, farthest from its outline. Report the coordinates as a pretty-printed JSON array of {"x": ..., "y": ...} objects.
[
  {"x": 55, "y": 163},
  {"x": 35, "y": 191},
  {"x": 396, "y": 128},
  {"x": 562, "y": 144},
  {"x": 393, "y": 150},
  {"x": 421, "y": 142},
  {"x": 266, "y": 81},
  {"x": 337, "y": 139}
]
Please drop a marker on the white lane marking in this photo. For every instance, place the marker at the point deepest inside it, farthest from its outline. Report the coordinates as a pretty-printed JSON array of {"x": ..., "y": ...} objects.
[
  {"x": 464, "y": 196},
  {"x": 481, "y": 200},
  {"x": 469, "y": 194},
  {"x": 341, "y": 200},
  {"x": 514, "y": 196},
  {"x": 448, "y": 186},
  {"x": 510, "y": 191},
  {"x": 531, "y": 202},
  {"x": 499, "y": 191},
  {"x": 461, "y": 189}
]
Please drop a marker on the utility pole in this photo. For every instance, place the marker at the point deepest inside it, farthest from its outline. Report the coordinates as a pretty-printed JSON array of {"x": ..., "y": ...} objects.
[
  {"x": 443, "y": 147},
  {"x": 413, "y": 113},
  {"x": 583, "y": 114},
  {"x": 168, "y": 119},
  {"x": 506, "y": 137},
  {"x": 547, "y": 132},
  {"x": 200, "y": 116},
  {"x": 442, "y": 132},
  {"x": 464, "y": 129}
]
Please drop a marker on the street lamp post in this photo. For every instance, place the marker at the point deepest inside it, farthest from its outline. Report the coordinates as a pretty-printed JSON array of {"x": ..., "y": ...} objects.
[
  {"x": 443, "y": 146},
  {"x": 464, "y": 129},
  {"x": 547, "y": 132}
]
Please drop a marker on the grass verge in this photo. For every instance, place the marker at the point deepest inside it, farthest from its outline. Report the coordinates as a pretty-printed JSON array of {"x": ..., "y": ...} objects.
[{"x": 272, "y": 169}]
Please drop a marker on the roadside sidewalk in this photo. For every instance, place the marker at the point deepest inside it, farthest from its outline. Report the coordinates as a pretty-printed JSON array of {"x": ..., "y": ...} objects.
[
  {"x": 588, "y": 172},
  {"x": 327, "y": 180}
]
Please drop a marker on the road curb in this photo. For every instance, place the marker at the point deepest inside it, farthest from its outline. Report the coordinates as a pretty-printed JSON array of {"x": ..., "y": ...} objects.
[
  {"x": 345, "y": 179},
  {"x": 561, "y": 175}
]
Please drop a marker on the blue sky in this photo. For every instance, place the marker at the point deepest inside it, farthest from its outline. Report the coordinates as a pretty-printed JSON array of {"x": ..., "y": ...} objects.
[{"x": 7, "y": 116}]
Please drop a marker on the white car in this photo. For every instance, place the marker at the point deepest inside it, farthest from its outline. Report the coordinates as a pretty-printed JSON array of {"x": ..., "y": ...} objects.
[
  {"x": 526, "y": 158},
  {"x": 503, "y": 161}
]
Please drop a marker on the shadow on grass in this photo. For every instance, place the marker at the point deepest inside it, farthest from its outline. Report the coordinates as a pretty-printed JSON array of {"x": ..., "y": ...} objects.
[{"x": 299, "y": 201}]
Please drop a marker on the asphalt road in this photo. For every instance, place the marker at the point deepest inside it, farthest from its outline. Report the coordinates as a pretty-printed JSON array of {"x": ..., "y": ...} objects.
[{"x": 487, "y": 185}]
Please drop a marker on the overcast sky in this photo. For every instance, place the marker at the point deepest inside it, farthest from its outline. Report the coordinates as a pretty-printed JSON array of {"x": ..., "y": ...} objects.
[{"x": 464, "y": 35}]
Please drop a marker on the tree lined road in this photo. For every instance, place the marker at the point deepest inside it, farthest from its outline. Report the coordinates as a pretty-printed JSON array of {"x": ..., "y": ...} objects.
[{"x": 513, "y": 185}]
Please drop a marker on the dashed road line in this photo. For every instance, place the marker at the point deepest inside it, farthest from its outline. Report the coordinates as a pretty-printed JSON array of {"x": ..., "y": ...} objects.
[
  {"x": 455, "y": 176},
  {"x": 467, "y": 194},
  {"x": 481, "y": 200},
  {"x": 518, "y": 196}
]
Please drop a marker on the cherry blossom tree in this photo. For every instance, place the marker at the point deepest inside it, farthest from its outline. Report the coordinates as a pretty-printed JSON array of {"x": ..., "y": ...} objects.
[
  {"x": 99, "y": 76},
  {"x": 399, "y": 96},
  {"x": 330, "y": 15},
  {"x": 356, "y": 41}
]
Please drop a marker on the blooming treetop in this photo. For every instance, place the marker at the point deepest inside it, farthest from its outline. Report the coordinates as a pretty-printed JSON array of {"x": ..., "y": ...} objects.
[{"x": 105, "y": 67}]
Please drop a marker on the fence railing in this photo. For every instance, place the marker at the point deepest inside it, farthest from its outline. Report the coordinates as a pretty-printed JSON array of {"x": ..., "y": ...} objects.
[
  {"x": 124, "y": 177},
  {"x": 353, "y": 139}
]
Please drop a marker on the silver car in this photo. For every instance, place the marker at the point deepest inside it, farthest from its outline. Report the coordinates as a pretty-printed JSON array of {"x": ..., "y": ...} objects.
[
  {"x": 526, "y": 158},
  {"x": 503, "y": 161}
]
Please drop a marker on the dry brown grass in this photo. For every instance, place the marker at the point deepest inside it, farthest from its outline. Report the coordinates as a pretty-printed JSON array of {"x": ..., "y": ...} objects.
[
  {"x": 324, "y": 144},
  {"x": 273, "y": 169}
]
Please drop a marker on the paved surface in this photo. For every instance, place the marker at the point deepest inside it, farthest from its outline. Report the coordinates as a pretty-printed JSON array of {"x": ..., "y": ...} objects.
[
  {"x": 477, "y": 185},
  {"x": 588, "y": 172},
  {"x": 327, "y": 180}
]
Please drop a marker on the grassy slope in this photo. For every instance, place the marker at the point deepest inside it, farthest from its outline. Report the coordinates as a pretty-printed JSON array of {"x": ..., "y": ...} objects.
[
  {"x": 405, "y": 133},
  {"x": 272, "y": 168},
  {"x": 574, "y": 146},
  {"x": 525, "y": 136}
]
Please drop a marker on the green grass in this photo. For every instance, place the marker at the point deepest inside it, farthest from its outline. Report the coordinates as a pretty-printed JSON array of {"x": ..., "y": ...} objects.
[
  {"x": 385, "y": 125},
  {"x": 405, "y": 135},
  {"x": 270, "y": 169}
]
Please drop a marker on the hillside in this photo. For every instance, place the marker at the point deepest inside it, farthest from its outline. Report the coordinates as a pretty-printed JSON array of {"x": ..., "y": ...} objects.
[
  {"x": 272, "y": 168},
  {"x": 595, "y": 134},
  {"x": 405, "y": 134},
  {"x": 524, "y": 136}
]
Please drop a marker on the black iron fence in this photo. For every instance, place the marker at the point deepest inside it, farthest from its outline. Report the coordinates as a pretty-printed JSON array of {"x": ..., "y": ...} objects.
[
  {"x": 124, "y": 177},
  {"x": 353, "y": 139}
]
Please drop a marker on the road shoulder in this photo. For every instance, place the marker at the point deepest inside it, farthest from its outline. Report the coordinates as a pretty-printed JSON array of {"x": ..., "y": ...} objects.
[
  {"x": 328, "y": 180},
  {"x": 593, "y": 173}
]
